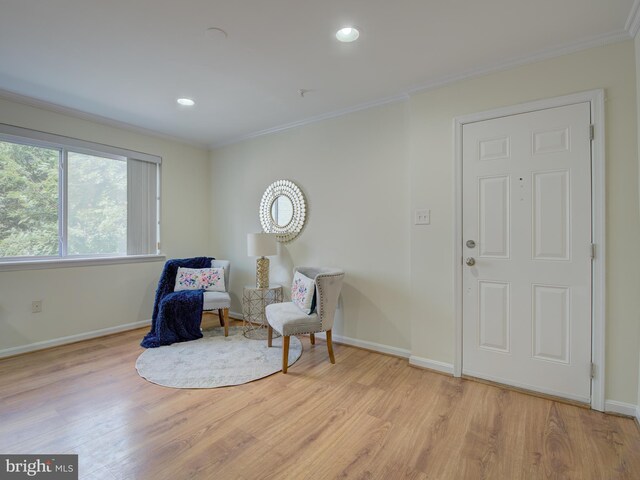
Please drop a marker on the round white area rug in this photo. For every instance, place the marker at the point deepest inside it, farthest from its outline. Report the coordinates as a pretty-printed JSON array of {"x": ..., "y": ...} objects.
[{"x": 214, "y": 360}]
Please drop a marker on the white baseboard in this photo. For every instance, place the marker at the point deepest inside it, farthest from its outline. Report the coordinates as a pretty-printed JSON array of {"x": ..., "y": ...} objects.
[
  {"x": 621, "y": 408},
  {"x": 32, "y": 347},
  {"x": 376, "y": 347},
  {"x": 431, "y": 364}
]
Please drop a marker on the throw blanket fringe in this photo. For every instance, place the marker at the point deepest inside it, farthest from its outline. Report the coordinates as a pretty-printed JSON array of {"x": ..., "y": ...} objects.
[{"x": 176, "y": 315}]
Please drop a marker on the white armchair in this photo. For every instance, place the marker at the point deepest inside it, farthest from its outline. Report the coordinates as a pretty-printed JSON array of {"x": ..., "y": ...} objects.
[
  {"x": 287, "y": 319},
  {"x": 220, "y": 301}
]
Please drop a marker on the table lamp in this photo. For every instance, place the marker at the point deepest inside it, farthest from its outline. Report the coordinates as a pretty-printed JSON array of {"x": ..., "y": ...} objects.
[{"x": 261, "y": 245}]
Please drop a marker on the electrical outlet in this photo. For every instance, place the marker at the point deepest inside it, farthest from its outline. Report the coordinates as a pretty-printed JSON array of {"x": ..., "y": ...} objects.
[
  {"x": 36, "y": 306},
  {"x": 423, "y": 217}
]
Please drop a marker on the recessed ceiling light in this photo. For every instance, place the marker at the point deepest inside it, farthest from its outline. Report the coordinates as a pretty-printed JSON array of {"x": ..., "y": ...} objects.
[
  {"x": 347, "y": 34},
  {"x": 187, "y": 102}
]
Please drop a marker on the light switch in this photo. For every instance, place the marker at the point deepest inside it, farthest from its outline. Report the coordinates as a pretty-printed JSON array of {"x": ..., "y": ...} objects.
[{"x": 423, "y": 217}]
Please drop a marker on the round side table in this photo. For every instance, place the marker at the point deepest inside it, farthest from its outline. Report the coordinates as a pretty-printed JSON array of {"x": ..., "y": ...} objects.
[{"x": 254, "y": 301}]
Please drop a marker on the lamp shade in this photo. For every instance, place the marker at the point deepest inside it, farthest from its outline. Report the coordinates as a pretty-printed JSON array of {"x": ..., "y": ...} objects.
[{"x": 261, "y": 245}]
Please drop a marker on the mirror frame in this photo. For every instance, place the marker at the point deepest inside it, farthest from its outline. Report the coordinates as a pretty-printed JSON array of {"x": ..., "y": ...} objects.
[{"x": 291, "y": 230}]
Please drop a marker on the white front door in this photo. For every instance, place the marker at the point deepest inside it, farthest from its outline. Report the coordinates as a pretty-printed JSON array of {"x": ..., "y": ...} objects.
[{"x": 527, "y": 226}]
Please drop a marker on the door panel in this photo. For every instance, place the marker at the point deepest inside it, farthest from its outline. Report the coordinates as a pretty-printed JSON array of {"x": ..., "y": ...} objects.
[
  {"x": 494, "y": 315},
  {"x": 527, "y": 206},
  {"x": 551, "y": 222},
  {"x": 493, "y": 216},
  {"x": 551, "y": 323}
]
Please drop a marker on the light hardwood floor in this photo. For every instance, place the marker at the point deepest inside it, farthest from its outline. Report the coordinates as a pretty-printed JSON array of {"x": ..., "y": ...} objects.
[{"x": 368, "y": 416}]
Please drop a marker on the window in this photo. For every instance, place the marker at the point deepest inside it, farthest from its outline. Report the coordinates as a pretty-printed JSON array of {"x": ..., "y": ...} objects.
[
  {"x": 96, "y": 205},
  {"x": 63, "y": 198}
]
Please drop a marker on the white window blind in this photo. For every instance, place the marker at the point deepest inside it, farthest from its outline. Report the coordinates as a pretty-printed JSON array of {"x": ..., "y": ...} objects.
[{"x": 142, "y": 207}]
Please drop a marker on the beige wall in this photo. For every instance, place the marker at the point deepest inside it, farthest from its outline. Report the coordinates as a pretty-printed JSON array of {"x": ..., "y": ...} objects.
[
  {"x": 365, "y": 173},
  {"x": 83, "y": 299},
  {"x": 353, "y": 171}
]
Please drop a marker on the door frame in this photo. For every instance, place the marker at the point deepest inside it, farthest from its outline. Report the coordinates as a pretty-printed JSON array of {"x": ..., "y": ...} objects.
[{"x": 596, "y": 100}]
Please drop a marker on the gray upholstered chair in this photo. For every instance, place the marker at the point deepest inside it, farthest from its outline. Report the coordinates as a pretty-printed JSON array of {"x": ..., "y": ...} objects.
[
  {"x": 220, "y": 301},
  {"x": 287, "y": 319}
]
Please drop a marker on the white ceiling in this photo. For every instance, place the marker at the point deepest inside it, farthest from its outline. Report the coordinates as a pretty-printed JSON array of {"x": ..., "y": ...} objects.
[{"x": 128, "y": 60}]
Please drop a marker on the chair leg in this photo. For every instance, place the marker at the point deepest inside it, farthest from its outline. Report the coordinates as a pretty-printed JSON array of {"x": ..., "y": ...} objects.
[
  {"x": 226, "y": 322},
  {"x": 312, "y": 337},
  {"x": 330, "y": 347},
  {"x": 221, "y": 317},
  {"x": 269, "y": 336},
  {"x": 285, "y": 353}
]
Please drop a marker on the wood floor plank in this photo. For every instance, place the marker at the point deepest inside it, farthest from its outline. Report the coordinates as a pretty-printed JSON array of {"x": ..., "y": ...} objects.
[{"x": 367, "y": 416}]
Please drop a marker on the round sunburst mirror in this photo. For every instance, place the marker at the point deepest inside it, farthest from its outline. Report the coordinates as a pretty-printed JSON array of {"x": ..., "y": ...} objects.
[{"x": 283, "y": 210}]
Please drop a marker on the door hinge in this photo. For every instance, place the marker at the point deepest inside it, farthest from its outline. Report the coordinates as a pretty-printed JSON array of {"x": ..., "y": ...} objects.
[
  {"x": 593, "y": 370},
  {"x": 593, "y": 251},
  {"x": 592, "y": 131}
]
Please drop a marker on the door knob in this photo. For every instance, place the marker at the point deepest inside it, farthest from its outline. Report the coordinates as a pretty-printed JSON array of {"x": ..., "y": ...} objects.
[{"x": 470, "y": 261}]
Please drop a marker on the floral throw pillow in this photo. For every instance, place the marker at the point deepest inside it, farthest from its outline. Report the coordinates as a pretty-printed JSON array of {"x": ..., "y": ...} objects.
[
  {"x": 303, "y": 292},
  {"x": 211, "y": 279}
]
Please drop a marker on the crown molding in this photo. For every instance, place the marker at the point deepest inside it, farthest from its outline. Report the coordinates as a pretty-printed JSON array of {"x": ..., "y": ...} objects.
[
  {"x": 633, "y": 20},
  {"x": 598, "y": 41},
  {"x": 72, "y": 112},
  {"x": 317, "y": 118},
  {"x": 592, "y": 42}
]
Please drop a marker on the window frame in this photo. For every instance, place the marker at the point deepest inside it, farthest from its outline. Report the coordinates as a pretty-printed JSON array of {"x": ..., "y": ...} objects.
[{"x": 35, "y": 138}]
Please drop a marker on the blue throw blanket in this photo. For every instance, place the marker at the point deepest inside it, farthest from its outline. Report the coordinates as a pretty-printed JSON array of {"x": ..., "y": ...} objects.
[{"x": 176, "y": 315}]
